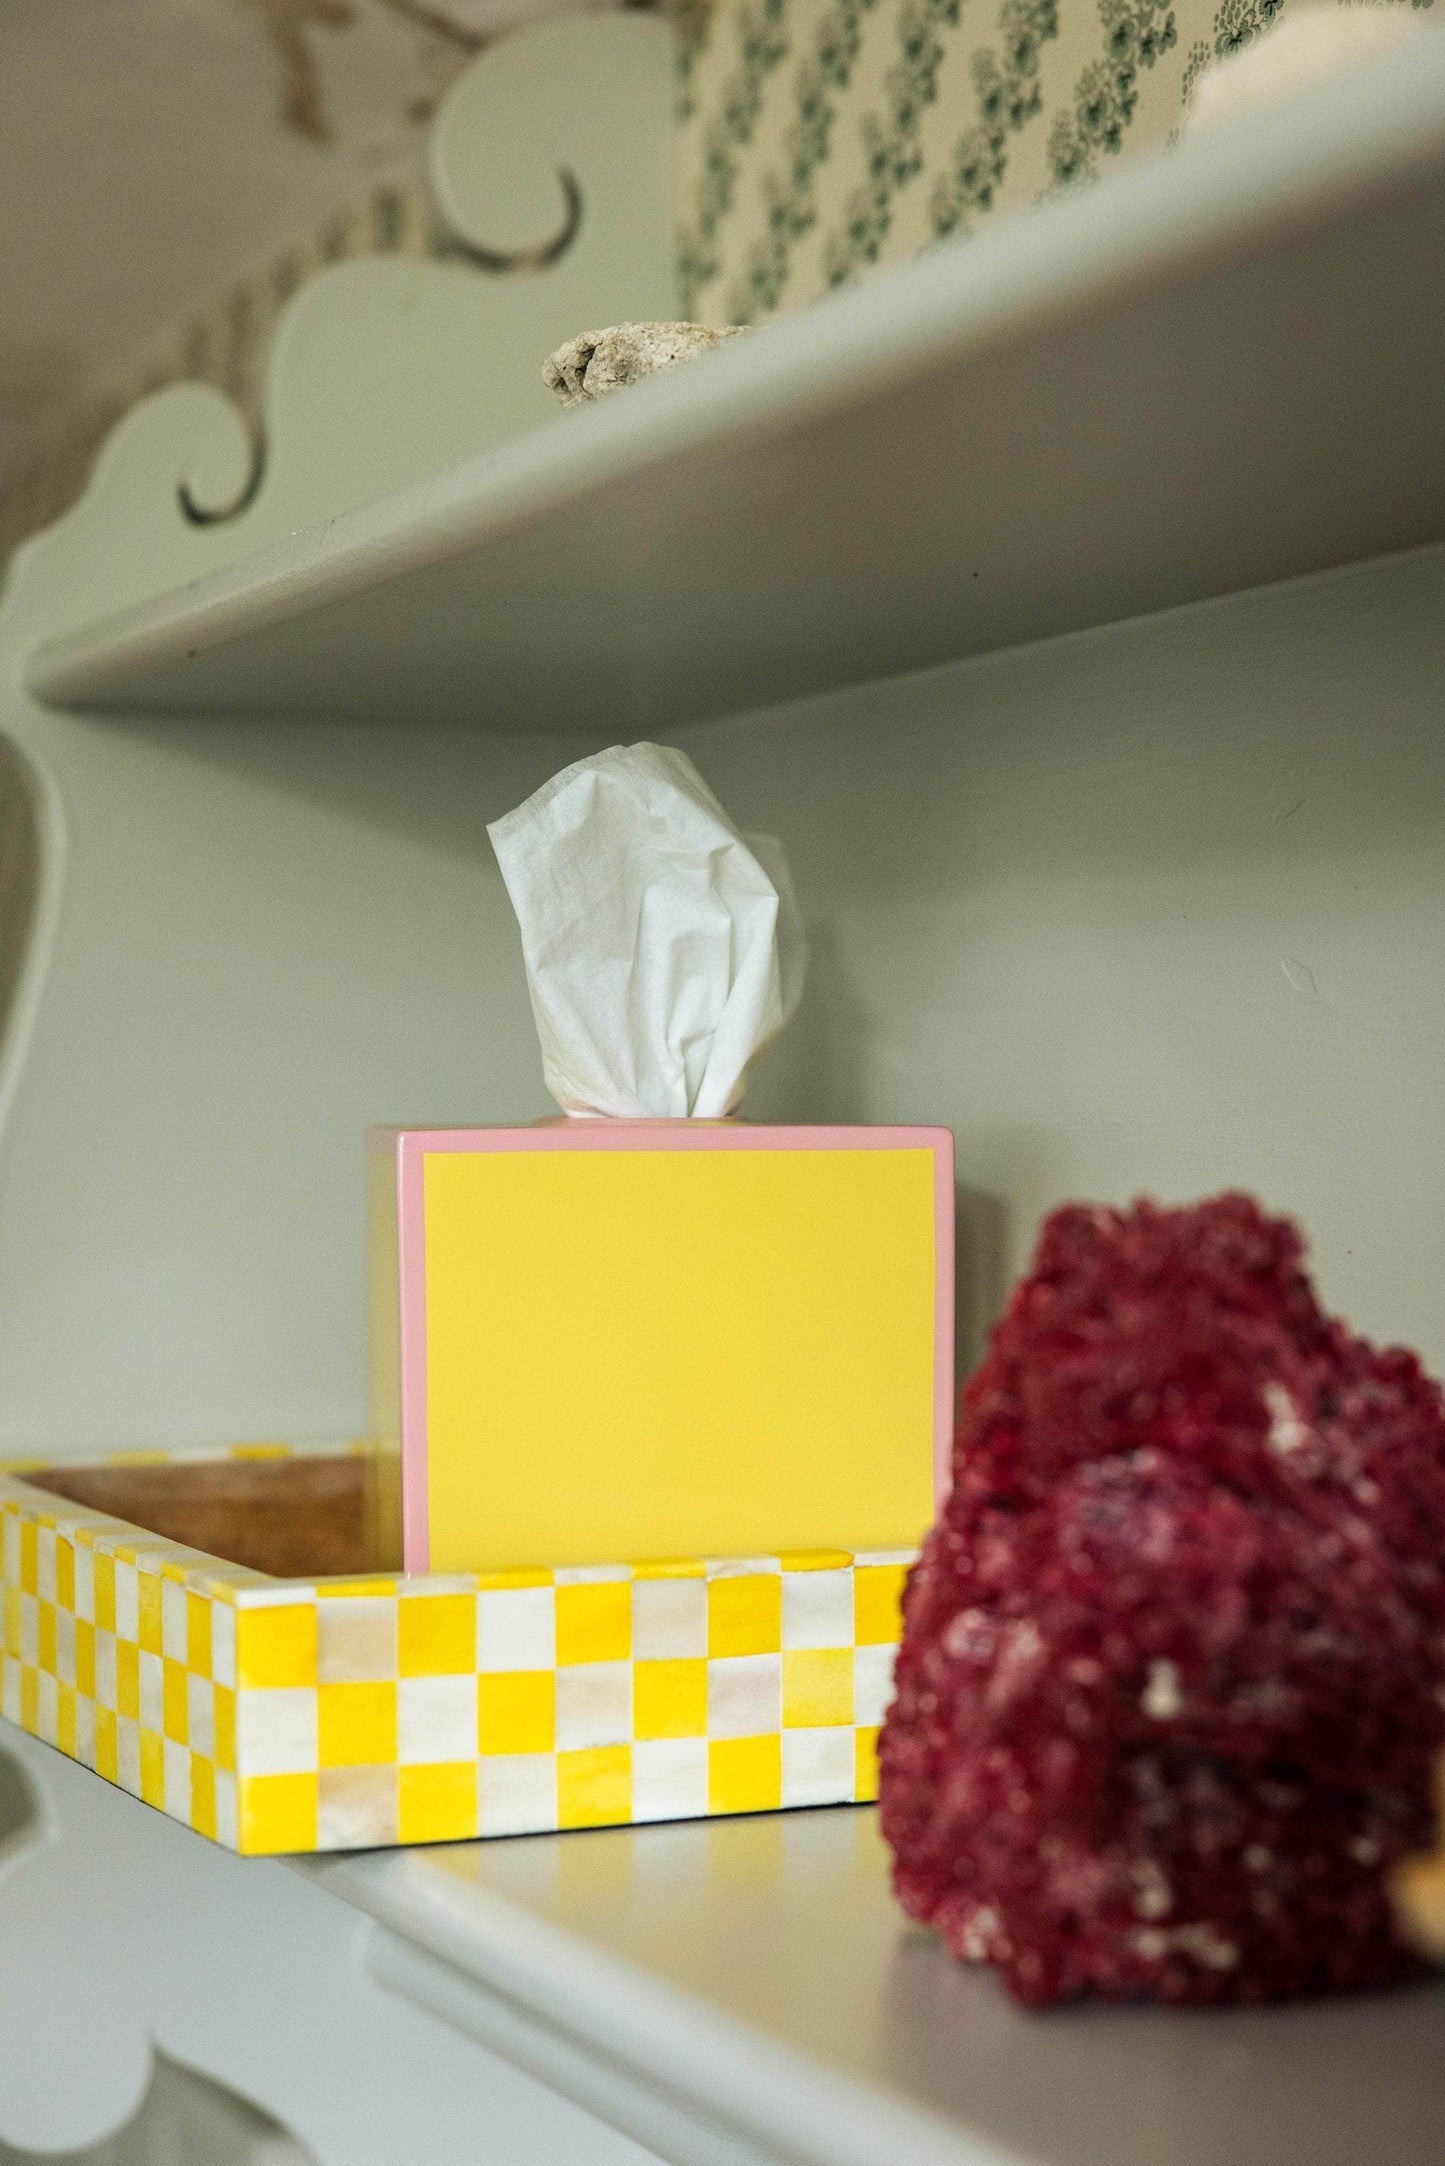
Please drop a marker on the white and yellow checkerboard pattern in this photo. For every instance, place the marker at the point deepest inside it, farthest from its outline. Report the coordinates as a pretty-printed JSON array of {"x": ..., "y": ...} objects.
[{"x": 280, "y": 1715}]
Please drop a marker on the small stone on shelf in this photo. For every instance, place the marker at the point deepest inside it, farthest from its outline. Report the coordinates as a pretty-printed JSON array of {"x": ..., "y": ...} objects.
[{"x": 601, "y": 361}]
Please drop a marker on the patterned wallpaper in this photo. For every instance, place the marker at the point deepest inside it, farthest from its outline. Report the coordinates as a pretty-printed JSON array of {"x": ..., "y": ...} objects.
[
  {"x": 816, "y": 138},
  {"x": 820, "y": 137}
]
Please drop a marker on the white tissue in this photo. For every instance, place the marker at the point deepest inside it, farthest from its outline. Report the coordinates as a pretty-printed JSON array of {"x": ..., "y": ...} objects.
[{"x": 664, "y": 950}]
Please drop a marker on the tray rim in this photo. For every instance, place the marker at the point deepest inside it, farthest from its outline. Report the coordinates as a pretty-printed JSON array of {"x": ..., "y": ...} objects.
[{"x": 197, "y": 1638}]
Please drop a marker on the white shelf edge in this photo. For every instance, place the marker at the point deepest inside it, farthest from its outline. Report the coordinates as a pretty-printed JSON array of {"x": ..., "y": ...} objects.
[
  {"x": 1346, "y": 145},
  {"x": 700, "y": 2060}
]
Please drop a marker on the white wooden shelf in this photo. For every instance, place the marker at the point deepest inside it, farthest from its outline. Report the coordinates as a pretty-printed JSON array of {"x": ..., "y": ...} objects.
[
  {"x": 747, "y": 1992},
  {"x": 1219, "y": 367},
  {"x": 736, "y": 1992}
]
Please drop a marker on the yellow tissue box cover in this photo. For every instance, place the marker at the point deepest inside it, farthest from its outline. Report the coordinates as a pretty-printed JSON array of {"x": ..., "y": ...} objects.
[
  {"x": 612, "y": 1338},
  {"x": 283, "y": 1715}
]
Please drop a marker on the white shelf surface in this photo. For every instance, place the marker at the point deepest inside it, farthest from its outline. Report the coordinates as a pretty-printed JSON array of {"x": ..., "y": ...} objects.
[
  {"x": 1221, "y": 366},
  {"x": 747, "y": 1990}
]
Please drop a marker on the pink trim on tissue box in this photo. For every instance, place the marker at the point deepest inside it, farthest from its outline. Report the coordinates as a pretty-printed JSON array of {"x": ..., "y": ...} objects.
[{"x": 413, "y": 1144}]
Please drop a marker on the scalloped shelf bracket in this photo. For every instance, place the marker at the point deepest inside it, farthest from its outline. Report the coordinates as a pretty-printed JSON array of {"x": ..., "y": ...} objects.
[{"x": 551, "y": 163}]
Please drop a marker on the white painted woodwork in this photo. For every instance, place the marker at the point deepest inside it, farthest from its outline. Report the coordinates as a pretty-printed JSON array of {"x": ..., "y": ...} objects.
[
  {"x": 185, "y": 2119},
  {"x": 388, "y": 369},
  {"x": 736, "y": 1992},
  {"x": 1153, "y": 906},
  {"x": 145, "y": 165},
  {"x": 122, "y": 1933},
  {"x": 1223, "y": 365},
  {"x": 759, "y": 1971}
]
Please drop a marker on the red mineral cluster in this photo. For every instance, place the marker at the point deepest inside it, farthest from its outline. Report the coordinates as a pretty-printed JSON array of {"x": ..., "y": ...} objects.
[{"x": 1171, "y": 1676}]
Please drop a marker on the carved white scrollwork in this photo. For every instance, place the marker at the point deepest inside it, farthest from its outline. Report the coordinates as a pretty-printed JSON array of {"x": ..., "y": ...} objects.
[
  {"x": 184, "y": 2115},
  {"x": 551, "y": 167},
  {"x": 546, "y": 253},
  {"x": 161, "y": 1999}
]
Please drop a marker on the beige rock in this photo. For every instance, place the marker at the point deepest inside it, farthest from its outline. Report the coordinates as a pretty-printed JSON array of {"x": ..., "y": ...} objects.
[{"x": 601, "y": 361}]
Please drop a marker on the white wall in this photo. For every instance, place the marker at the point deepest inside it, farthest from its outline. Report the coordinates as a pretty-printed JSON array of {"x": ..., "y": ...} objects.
[
  {"x": 268, "y": 939},
  {"x": 1158, "y": 908}
]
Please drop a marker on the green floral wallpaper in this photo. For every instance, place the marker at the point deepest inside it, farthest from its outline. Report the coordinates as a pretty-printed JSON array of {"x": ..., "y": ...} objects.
[{"x": 819, "y": 137}]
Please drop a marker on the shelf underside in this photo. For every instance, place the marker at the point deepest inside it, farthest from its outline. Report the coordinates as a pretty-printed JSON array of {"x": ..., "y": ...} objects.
[{"x": 1219, "y": 368}]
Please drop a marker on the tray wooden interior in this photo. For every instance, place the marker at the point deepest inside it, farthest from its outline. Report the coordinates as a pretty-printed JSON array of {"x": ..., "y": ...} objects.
[{"x": 298, "y": 1518}]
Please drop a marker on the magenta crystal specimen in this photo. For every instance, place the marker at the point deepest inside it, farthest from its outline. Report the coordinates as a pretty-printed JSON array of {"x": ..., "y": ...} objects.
[{"x": 1174, "y": 1656}]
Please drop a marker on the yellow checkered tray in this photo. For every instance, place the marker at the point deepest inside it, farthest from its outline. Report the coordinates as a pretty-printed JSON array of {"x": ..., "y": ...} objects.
[{"x": 332, "y": 1714}]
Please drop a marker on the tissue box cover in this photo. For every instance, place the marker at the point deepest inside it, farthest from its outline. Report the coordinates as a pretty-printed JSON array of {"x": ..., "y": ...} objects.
[
  {"x": 289, "y": 1715},
  {"x": 615, "y": 1338}
]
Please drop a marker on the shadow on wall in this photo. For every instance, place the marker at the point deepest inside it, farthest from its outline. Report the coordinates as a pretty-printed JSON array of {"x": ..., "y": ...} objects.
[
  {"x": 19, "y": 874},
  {"x": 818, "y": 1071},
  {"x": 981, "y": 1273},
  {"x": 20, "y": 1818},
  {"x": 437, "y": 787}
]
